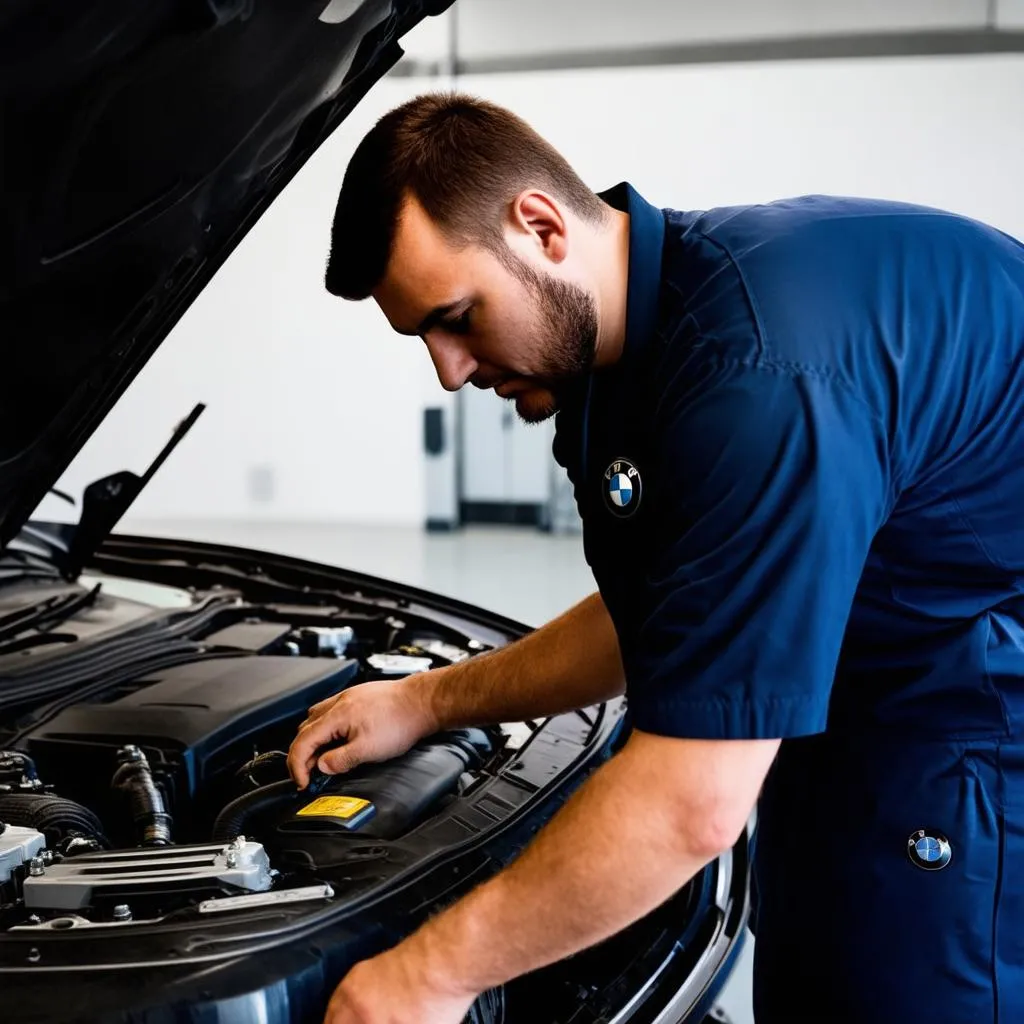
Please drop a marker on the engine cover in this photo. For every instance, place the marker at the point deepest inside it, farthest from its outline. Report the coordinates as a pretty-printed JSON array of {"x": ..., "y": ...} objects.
[{"x": 195, "y": 722}]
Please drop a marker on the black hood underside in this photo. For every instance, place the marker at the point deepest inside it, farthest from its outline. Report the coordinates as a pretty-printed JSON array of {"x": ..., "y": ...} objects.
[{"x": 140, "y": 142}]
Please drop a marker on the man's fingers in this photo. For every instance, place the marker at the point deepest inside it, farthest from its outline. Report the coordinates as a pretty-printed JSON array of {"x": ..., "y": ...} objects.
[
  {"x": 312, "y": 735},
  {"x": 322, "y": 706},
  {"x": 317, "y": 711},
  {"x": 308, "y": 724},
  {"x": 298, "y": 768},
  {"x": 342, "y": 759},
  {"x": 316, "y": 720}
]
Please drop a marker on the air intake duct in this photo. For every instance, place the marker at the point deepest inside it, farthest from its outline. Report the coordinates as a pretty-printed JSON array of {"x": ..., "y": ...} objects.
[{"x": 384, "y": 801}]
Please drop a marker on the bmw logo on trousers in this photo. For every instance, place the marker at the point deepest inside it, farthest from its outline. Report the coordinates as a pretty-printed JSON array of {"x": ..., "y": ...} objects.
[{"x": 929, "y": 850}]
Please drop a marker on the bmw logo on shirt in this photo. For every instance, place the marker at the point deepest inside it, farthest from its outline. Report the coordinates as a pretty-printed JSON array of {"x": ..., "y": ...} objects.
[{"x": 622, "y": 488}]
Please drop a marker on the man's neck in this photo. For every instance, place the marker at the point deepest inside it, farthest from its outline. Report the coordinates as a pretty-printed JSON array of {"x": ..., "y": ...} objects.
[{"x": 612, "y": 276}]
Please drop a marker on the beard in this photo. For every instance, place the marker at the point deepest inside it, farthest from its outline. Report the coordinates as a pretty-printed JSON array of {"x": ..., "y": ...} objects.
[{"x": 567, "y": 335}]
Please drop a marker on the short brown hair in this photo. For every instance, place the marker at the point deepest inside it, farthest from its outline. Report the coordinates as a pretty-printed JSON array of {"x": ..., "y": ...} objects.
[{"x": 463, "y": 159}]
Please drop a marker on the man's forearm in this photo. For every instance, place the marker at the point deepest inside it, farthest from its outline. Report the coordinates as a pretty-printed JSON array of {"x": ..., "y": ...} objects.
[
  {"x": 571, "y": 662},
  {"x": 616, "y": 851}
]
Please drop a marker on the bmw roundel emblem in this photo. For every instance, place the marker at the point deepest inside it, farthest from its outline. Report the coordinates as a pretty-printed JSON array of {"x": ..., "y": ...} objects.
[
  {"x": 929, "y": 850},
  {"x": 622, "y": 488}
]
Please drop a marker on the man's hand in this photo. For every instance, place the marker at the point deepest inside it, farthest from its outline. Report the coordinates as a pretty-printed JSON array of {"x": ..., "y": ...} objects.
[
  {"x": 374, "y": 722},
  {"x": 571, "y": 662},
  {"x": 397, "y": 988}
]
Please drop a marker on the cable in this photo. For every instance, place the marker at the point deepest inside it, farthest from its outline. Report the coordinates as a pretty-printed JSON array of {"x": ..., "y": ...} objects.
[{"x": 230, "y": 823}]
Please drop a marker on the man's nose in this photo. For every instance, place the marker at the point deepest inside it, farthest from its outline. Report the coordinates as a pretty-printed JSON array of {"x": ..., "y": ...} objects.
[{"x": 452, "y": 361}]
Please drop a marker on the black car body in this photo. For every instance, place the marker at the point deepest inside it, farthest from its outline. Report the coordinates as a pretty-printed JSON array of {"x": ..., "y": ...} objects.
[{"x": 155, "y": 862}]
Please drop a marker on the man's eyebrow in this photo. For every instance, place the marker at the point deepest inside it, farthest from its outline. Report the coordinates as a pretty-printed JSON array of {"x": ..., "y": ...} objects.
[{"x": 431, "y": 320}]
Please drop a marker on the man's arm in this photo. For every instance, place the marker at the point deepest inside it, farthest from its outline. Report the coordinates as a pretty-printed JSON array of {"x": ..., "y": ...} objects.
[
  {"x": 636, "y": 832},
  {"x": 569, "y": 663}
]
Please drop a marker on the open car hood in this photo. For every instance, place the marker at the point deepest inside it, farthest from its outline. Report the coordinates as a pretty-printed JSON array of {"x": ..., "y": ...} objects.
[{"x": 141, "y": 141}]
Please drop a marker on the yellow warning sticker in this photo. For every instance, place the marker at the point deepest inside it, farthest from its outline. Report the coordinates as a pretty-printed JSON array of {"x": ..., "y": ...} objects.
[{"x": 335, "y": 807}]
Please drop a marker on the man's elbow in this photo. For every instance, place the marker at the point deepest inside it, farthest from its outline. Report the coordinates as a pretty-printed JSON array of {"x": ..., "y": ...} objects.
[
  {"x": 707, "y": 788},
  {"x": 706, "y": 836}
]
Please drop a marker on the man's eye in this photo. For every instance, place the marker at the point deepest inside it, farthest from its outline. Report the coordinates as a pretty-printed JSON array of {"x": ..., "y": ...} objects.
[{"x": 458, "y": 324}]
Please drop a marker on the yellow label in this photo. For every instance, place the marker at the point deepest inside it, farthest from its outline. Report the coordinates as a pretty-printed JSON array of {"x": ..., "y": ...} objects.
[{"x": 335, "y": 807}]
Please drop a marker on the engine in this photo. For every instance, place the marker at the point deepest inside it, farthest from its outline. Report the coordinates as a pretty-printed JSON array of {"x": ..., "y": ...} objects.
[
  {"x": 195, "y": 724},
  {"x": 170, "y": 793}
]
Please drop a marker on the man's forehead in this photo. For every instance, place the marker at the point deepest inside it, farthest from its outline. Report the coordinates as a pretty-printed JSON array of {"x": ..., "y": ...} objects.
[
  {"x": 419, "y": 270},
  {"x": 426, "y": 272}
]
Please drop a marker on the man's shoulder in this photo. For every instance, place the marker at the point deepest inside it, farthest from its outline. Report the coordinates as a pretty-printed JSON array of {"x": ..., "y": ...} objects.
[
  {"x": 804, "y": 275},
  {"x": 741, "y": 234},
  {"x": 781, "y": 217}
]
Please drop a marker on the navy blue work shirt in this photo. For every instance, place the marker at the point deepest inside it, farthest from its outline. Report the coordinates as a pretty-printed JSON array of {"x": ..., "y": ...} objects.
[{"x": 802, "y": 485}]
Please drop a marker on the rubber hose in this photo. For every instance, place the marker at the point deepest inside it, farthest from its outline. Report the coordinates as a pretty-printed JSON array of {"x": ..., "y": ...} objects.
[
  {"x": 148, "y": 810},
  {"x": 230, "y": 823},
  {"x": 54, "y": 816}
]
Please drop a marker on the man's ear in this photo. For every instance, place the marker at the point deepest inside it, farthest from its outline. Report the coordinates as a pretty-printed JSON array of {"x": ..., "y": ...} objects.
[{"x": 539, "y": 217}]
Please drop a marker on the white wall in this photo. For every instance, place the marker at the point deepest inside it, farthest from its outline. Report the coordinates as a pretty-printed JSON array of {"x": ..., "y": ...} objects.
[
  {"x": 320, "y": 392},
  {"x": 527, "y": 28},
  {"x": 1011, "y": 14},
  {"x": 498, "y": 28},
  {"x": 943, "y": 131}
]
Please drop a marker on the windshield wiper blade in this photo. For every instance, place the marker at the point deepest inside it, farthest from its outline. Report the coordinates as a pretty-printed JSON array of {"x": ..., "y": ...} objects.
[
  {"x": 105, "y": 501},
  {"x": 42, "y": 616},
  {"x": 22, "y": 618}
]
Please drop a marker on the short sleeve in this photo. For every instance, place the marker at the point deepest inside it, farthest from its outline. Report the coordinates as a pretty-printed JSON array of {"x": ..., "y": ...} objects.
[{"x": 773, "y": 483}]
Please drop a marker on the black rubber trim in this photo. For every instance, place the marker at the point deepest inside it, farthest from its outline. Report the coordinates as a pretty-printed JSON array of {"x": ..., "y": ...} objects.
[{"x": 440, "y": 526}]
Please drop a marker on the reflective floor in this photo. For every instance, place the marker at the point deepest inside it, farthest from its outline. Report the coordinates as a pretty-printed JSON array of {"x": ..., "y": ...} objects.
[{"x": 524, "y": 574}]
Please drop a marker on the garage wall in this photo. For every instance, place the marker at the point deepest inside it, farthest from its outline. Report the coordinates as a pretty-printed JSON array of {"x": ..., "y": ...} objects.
[
  {"x": 946, "y": 131},
  {"x": 531, "y": 31},
  {"x": 315, "y": 408}
]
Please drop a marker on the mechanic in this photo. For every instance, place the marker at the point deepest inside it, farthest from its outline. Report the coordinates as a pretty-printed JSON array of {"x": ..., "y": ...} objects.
[{"x": 796, "y": 437}]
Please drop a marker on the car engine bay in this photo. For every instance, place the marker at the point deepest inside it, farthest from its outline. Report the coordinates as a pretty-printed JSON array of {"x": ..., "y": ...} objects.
[
  {"x": 155, "y": 853},
  {"x": 159, "y": 787}
]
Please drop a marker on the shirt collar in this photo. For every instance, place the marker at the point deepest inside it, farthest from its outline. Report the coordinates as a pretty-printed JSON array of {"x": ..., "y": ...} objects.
[{"x": 646, "y": 240}]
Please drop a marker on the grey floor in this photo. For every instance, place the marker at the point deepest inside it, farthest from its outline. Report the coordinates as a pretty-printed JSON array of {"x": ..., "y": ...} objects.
[{"x": 521, "y": 573}]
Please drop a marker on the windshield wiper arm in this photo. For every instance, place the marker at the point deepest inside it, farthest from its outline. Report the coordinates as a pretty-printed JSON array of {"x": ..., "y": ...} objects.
[
  {"x": 43, "y": 616},
  {"x": 106, "y": 500}
]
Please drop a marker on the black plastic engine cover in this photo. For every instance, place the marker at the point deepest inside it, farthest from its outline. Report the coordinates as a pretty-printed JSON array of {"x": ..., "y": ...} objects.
[{"x": 196, "y": 723}]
